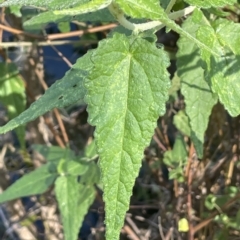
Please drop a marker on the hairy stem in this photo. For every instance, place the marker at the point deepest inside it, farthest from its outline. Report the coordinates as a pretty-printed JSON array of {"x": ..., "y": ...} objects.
[
  {"x": 141, "y": 27},
  {"x": 170, "y": 6}
]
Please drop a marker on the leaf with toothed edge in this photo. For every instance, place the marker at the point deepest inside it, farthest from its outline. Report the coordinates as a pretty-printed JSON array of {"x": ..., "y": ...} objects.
[
  {"x": 125, "y": 96},
  {"x": 197, "y": 93},
  {"x": 222, "y": 72}
]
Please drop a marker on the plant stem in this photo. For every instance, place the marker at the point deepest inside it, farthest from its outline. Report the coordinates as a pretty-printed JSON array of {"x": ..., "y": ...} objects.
[
  {"x": 141, "y": 27},
  {"x": 170, "y": 6}
]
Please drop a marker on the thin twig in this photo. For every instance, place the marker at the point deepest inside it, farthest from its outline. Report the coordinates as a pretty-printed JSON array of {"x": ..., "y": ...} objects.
[
  {"x": 189, "y": 195},
  {"x": 160, "y": 145},
  {"x": 130, "y": 232},
  {"x": 212, "y": 216},
  {"x": 170, "y": 6},
  {"x": 47, "y": 43},
  {"x": 134, "y": 227},
  {"x": 61, "y": 55},
  {"x": 160, "y": 228},
  {"x": 58, "y": 35},
  {"x": 2, "y": 19}
]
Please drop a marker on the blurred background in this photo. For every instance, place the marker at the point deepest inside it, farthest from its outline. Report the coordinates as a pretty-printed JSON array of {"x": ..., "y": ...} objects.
[{"x": 173, "y": 183}]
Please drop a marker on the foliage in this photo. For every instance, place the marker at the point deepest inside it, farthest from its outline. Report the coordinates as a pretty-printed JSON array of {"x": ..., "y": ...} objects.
[{"x": 125, "y": 84}]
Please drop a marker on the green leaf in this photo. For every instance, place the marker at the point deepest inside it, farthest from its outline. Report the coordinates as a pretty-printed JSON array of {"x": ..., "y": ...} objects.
[
  {"x": 84, "y": 7},
  {"x": 49, "y": 4},
  {"x": 176, "y": 159},
  {"x": 53, "y": 153},
  {"x": 197, "y": 93},
  {"x": 35, "y": 182},
  {"x": 175, "y": 85},
  {"x": 152, "y": 10},
  {"x": 92, "y": 175},
  {"x": 179, "y": 151},
  {"x": 12, "y": 90},
  {"x": 222, "y": 72},
  {"x": 210, "y": 3},
  {"x": 16, "y": 11},
  {"x": 125, "y": 94},
  {"x": 141, "y": 9},
  {"x": 62, "y": 93},
  {"x": 180, "y": 120},
  {"x": 44, "y": 18},
  {"x": 74, "y": 201},
  {"x": 12, "y": 95},
  {"x": 90, "y": 150},
  {"x": 71, "y": 167},
  {"x": 64, "y": 27}
]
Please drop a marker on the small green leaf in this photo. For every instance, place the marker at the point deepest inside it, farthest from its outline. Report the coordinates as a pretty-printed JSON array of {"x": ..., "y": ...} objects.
[
  {"x": 71, "y": 167},
  {"x": 176, "y": 158},
  {"x": 12, "y": 95},
  {"x": 74, "y": 201},
  {"x": 84, "y": 7},
  {"x": 62, "y": 93},
  {"x": 181, "y": 122},
  {"x": 210, "y": 3},
  {"x": 16, "y": 11},
  {"x": 125, "y": 96},
  {"x": 35, "y": 182},
  {"x": 53, "y": 153},
  {"x": 175, "y": 85},
  {"x": 64, "y": 27},
  {"x": 210, "y": 201},
  {"x": 91, "y": 150},
  {"x": 92, "y": 175}
]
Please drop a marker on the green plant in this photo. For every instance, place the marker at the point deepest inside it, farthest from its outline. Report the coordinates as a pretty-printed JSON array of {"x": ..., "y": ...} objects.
[{"x": 125, "y": 84}]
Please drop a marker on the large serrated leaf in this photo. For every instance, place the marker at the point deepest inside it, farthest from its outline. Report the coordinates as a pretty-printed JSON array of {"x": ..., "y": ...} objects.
[
  {"x": 42, "y": 19},
  {"x": 210, "y": 3},
  {"x": 126, "y": 92},
  {"x": 48, "y": 4},
  {"x": 74, "y": 200},
  {"x": 35, "y": 182},
  {"x": 12, "y": 95},
  {"x": 197, "y": 93},
  {"x": 62, "y": 93},
  {"x": 84, "y": 7},
  {"x": 222, "y": 72}
]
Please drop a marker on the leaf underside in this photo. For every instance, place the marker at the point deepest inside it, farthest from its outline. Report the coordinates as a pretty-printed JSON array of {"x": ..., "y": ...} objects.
[{"x": 125, "y": 96}]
